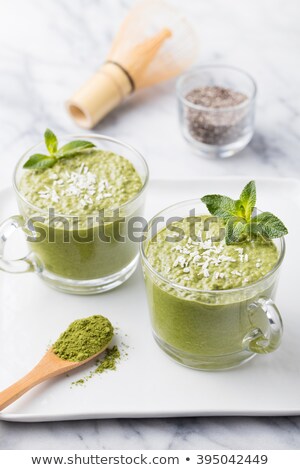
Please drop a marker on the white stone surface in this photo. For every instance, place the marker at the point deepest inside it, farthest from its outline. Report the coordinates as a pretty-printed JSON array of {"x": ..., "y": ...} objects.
[{"x": 47, "y": 49}]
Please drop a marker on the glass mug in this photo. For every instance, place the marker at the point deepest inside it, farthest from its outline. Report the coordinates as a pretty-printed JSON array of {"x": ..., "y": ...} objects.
[
  {"x": 75, "y": 253},
  {"x": 210, "y": 330}
]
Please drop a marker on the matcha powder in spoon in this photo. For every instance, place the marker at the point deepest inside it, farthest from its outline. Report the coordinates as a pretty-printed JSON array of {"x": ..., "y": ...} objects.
[{"x": 84, "y": 338}]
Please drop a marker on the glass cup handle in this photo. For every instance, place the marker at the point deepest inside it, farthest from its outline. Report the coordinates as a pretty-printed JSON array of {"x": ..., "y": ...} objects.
[
  {"x": 22, "y": 265},
  {"x": 260, "y": 342}
]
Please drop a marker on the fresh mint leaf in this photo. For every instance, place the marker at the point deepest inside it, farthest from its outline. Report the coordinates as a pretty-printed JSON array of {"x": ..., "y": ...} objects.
[
  {"x": 241, "y": 223},
  {"x": 239, "y": 209},
  {"x": 269, "y": 225},
  {"x": 74, "y": 146},
  {"x": 220, "y": 206},
  {"x": 50, "y": 141},
  {"x": 234, "y": 231},
  {"x": 248, "y": 199},
  {"x": 39, "y": 161},
  {"x": 71, "y": 149}
]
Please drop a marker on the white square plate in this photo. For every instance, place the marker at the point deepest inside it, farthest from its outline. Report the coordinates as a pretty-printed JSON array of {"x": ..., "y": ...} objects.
[{"x": 148, "y": 383}]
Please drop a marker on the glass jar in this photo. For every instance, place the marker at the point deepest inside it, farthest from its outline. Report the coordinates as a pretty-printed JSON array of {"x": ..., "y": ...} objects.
[{"x": 216, "y": 109}]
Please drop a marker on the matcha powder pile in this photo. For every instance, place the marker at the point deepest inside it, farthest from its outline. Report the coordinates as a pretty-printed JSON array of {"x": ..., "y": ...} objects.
[
  {"x": 108, "y": 362},
  {"x": 84, "y": 338}
]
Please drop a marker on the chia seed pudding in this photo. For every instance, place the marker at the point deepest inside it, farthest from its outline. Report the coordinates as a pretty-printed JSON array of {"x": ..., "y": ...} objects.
[
  {"x": 81, "y": 233},
  {"x": 83, "y": 184},
  {"x": 207, "y": 264},
  {"x": 200, "y": 292}
]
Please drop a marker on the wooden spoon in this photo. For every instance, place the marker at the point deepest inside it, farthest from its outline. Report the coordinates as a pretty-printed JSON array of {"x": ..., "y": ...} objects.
[{"x": 49, "y": 366}]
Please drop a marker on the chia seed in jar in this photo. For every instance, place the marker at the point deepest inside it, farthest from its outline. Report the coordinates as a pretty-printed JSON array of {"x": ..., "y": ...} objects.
[{"x": 222, "y": 119}]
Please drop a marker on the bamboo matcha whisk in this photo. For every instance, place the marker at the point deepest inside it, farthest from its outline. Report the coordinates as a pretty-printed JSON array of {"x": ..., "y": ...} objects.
[{"x": 154, "y": 43}]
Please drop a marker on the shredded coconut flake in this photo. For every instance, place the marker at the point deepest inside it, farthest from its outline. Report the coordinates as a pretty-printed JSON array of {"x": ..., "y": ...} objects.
[{"x": 235, "y": 273}]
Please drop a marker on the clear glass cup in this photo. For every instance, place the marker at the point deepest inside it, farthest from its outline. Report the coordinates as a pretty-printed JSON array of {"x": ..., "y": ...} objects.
[
  {"x": 75, "y": 253},
  {"x": 211, "y": 131},
  {"x": 210, "y": 330}
]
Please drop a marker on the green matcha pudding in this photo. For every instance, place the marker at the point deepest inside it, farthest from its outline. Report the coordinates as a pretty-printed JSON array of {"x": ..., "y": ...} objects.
[
  {"x": 83, "y": 185},
  {"x": 210, "y": 298},
  {"x": 78, "y": 202},
  {"x": 207, "y": 265}
]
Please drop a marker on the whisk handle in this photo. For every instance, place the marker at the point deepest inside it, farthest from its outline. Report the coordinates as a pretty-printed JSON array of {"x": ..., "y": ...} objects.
[
  {"x": 130, "y": 79},
  {"x": 103, "y": 92}
]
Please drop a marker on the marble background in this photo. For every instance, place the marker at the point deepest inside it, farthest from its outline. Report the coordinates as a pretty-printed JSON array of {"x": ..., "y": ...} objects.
[{"x": 47, "y": 49}]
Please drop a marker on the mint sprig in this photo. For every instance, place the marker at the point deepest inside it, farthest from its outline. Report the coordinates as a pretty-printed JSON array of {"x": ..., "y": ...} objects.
[
  {"x": 39, "y": 161},
  {"x": 241, "y": 222}
]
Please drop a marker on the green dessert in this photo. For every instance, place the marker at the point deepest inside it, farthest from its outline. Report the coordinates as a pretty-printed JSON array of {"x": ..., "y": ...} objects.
[
  {"x": 204, "y": 264},
  {"x": 82, "y": 185},
  {"x": 84, "y": 195},
  {"x": 205, "y": 273}
]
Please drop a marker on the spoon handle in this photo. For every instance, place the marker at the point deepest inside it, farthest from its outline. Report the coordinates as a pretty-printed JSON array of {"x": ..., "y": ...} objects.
[
  {"x": 15, "y": 391},
  {"x": 49, "y": 366}
]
